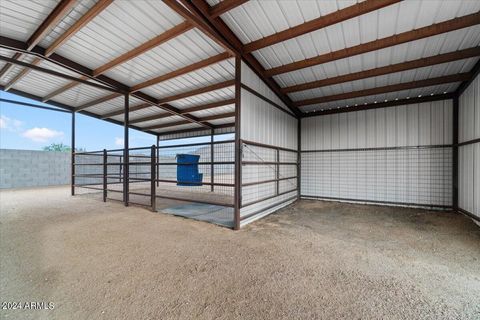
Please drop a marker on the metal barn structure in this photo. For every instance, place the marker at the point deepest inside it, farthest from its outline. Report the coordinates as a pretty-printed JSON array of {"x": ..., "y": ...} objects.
[{"x": 374, "y": 101}]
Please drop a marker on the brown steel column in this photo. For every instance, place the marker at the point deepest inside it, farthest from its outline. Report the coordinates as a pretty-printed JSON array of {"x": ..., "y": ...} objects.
[
  {"x": 153, "y": 191},
  {"x": 238, "y": 146},
  {"x": 72, "y": 181},
  {"x": 105, "y": 174},
  {"x": 455, "y": 154},
  {"x": 125, "y": 151},
  {"x": 212, "y": 173},
  {"x": 299, "y": 156}
]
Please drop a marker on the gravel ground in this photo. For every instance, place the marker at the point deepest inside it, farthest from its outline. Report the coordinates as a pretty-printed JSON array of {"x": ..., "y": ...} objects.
[{"x": 312, "y": 260}]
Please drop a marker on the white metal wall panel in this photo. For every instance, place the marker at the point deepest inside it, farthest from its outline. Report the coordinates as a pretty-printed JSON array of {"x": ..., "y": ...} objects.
[
  {"x": 469, "y": 154},
  {"x": 250, "y": 79},
  {"x": 352, "y": 161},
  {"x": 263, "y": 123}
]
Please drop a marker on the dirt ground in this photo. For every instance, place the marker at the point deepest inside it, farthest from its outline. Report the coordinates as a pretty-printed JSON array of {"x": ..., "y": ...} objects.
[{"x": 312, "y": 260}]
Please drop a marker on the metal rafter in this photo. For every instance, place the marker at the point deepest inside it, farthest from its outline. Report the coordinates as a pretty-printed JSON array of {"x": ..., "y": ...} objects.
[
  {"x": 198, "y": 91},
  {"x": 187, "y": 69},
  {"x": 408, "y": 36},
  {"x": 80, "y": 23},
  {"x": 225, "y": 6},
  {"x": 200, "y": 9},
  {"x": 403, "y": 66},
  {"x": 319, "y": 23},
  {"x": 181, "y": 122},
  {"x": 385, "y": 89},
  {"x": 150, "y": 44}
]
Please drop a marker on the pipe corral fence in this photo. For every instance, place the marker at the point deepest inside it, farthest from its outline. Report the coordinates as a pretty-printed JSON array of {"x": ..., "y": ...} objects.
[{"x": 146, "y": 175}]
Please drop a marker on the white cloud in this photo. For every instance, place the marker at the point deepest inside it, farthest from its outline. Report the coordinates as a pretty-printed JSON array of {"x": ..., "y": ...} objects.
[
  {"x": 119, "y": 141},
  {"x": 9, "y": 124},
  {"x": 41, "y": 134}
]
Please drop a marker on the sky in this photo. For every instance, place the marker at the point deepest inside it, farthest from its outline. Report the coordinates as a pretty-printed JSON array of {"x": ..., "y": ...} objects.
[{"x": 28, "y": 128}]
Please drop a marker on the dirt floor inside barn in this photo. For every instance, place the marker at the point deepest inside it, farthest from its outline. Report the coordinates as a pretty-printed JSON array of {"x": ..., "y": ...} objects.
[{"x": 328, "y": 260}]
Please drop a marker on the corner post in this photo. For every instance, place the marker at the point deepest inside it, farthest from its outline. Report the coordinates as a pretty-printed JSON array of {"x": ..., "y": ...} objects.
[
  {"x": 212, "y": 167},
  {"x": 238, "y": 146},
  {"x": 299, "y": 156},
  {"x": 105, "y": 172},
  {"x": 72, "y": 180},
  {"x": 455, "y": 128},
  {"x": 125, "y": 151},
  {"x": 153, "y": 191}
]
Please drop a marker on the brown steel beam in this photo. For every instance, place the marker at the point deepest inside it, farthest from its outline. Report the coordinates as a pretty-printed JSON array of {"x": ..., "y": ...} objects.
[
  {"x": 319, "y": 23},
  {"x": 195, "y": 66},
  {"x": 225, "y": 6},
  {"x": 98, "y": 101},
  {"x": 21, "y": 74},
  {"x": 414, "y": 64},
  {"x": 226, "y": 125},
  {"x": 86, "y": 18},
  {"x": 200, "y": 24},
  {"x": 53, "y": 18},
  {"x": 417, "y": 34},
  {"x": 79, "y": 24},
  {"x": 62, "y": 89},
  {"x": 132, "y": 109},
  {"x": 158, "y": 40},
  {"x": 152, "y": 117},
  {"x": 201, "y": 9},
  {"x": 393, "y": 103},
  {"x": 391, "y": 88},
  {"x": 208, "y": 106},
  {"x": 181, "y": 122},
  {"x": 195, "y": 92},
  {"x": 12, "y": 44}
]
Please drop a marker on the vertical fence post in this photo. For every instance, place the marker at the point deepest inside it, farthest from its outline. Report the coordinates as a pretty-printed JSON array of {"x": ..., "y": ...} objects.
[
  {"x": 238, "y": 146},
  {"x": 278, "y": 171},
  {"x": 153, "y": 165},
  {"x": 299, "y": 157},
  {"x": 212, "y": 173},
  {"x": 126, "y": 160},
  {"x": 72, "y": 180},
  {"x": 105, "y": 172}
]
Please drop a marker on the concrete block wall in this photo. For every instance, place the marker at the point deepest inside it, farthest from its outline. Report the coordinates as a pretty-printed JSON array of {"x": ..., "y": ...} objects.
[{"x": 29, "y": 168}]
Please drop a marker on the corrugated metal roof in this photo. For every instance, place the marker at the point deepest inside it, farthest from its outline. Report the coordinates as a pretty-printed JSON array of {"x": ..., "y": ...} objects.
[
  {"x": 201, "y": 99},
  {"x": 19, "y": 19},
  {"x": 214, "y": 111}
]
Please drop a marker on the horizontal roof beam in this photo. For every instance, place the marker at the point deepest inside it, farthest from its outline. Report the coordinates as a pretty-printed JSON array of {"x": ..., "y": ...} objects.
[
  {"x": 417, "y": 34},
  {"x": 224, "y": 6},
  {"x": 131, "y": 109},
  {"x": 383, "y": 104},
  {"x": 319, "y": 23},
  {"x": 195, "y": 92},
  {"x": 98, "y": 101},
  {"x": 225, "y": 125},
  {"x": 409, "y": 65},
  {"x": 390, "y": 88},
  {"x": 187, "y": 69},
  {"x": 181, "y": 122}
]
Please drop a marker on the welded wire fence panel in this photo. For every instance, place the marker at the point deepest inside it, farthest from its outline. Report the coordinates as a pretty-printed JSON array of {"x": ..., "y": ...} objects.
[{"x": 267, "y": 172}]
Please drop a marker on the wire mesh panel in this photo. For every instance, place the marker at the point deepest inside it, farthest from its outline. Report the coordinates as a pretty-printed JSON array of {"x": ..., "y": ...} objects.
[
  {"x": 269, "y": 177},
  {"x": 404, "y": 176}
]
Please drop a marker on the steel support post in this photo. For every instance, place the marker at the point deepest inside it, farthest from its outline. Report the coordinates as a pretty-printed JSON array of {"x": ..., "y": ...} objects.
[
  {"x": 105, "y": 173},
  {"x": 238, "y": 146},
  {"x": 153, "y": 191},
  {"x": 455, "y": 154},
  {"x": 72, "y": 170},
  {"x": 212, "y": 167},
  {"x": 126, "y": 160}
]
